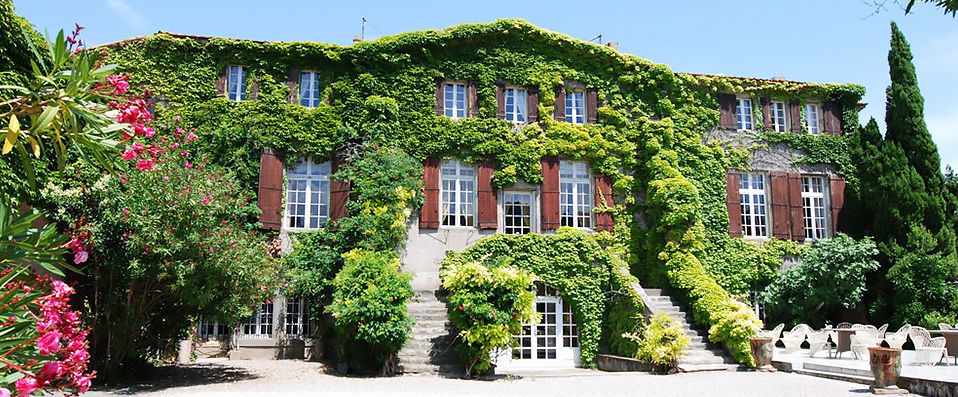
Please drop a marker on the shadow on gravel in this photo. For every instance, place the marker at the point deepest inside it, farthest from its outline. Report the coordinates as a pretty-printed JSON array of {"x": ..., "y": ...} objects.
[{"x": 170, "y": 376}]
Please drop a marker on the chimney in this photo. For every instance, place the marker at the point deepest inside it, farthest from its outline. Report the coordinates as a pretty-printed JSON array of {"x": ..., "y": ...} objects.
[
  {"x": 613, "y": 45},
  {"x": 778, "y": 78},
  {"x": 357, "y": 39}
]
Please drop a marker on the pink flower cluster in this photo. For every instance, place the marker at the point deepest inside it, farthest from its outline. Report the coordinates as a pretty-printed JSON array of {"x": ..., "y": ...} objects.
[
  {"x": 78, "y": 245},
  {"x": 75, "y": 44},
  {"x": 136, "y": 113}
]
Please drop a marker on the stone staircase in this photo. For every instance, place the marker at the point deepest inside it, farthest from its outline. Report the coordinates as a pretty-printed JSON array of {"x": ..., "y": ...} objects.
[
  {"x": 701, "y": 355},
  {"x": 429, "y": 348}
]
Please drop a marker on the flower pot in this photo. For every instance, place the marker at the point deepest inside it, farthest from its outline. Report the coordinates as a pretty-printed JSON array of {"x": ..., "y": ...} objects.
[
  {"x": 762, "y": 353},
  {"x": 886, "y": 366}
]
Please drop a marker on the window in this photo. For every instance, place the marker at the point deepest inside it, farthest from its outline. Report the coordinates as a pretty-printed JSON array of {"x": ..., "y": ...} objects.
[
  {"x": 261, "y": 324},
  {"x": 813, "y": 201},
  {"x": 455, "y": 100},
  {"x": 212, "y": 330},
  {"x": 754, "y": 205},
  {"x": 517, "y": 212},
  {"x": 811, "y": 118},
  {"x": 575, "y": 107},
  {"x": 575, "y": 195},
  {"x": 743, "y": 110},
  {"x": 297, "y": 323},
  {"x": 236, "y": 83},
  {"x": 516, "y": 105},
  {"x": 778, "y": 117},
  {"x": 309, "y": 89},
  {"x": 307, "y": 195},
  {"x": 458, "y": 192}
]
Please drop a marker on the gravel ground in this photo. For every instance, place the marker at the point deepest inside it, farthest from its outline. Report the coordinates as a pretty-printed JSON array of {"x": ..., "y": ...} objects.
[{"x": 241, "y": 378}]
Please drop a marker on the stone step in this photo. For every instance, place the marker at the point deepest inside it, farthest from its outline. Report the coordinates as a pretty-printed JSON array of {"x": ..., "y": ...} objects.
[
  {"x": 707, "y": 367},
  {"x": 653, "y": 291},
  {"x": 430, "y": 369}
]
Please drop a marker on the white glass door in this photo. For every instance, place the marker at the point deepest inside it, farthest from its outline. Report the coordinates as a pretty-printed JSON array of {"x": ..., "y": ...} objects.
[{"x": 552, "y": 342}]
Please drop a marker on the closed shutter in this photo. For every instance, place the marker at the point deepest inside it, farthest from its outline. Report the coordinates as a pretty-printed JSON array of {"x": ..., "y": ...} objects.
[
  {"x": 837, "y": 188},
  {"x": 832, "y": 118},
  {"x": 781, "y": 224},
  {"x": 795, "y": 114},
  {"x": 733, "y": 202},
  {"x": 440, "y": 96},
  {"x": 429, "y": 216},
  {"x": 472, "y": 95},
  {"x": 550, "y": 193},
  {"x": 591, "y": 105},
  {"x": 338, "y": 193},
  {"x": 796, "y": 206},
  {"x": 532, "y": 101},
  {"x": 767, "y": 114},
  {"x": 254, "y": 90},
  {"x": 559, "y": 111},
  {"x": 292, "y": 82},
  {"x": 603, "y": 195},
  {"x": 270, "y": 194},
  {"x": 500, "y": 101},
  {"x": 221, "y": 81},
  {"x": 727, "y": 118},
  {"x": 486, "y": 194}
]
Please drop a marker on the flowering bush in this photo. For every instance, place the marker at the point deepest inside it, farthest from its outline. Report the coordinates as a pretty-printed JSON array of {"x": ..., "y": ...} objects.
[{"x": 662, "y": 342}]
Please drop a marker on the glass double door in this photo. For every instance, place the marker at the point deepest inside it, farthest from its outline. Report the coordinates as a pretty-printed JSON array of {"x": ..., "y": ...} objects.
[{"x": 553, "y": 340}]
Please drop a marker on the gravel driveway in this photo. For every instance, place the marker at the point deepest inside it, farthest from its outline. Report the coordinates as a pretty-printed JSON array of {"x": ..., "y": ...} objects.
[{"x": 240, "y": 378}]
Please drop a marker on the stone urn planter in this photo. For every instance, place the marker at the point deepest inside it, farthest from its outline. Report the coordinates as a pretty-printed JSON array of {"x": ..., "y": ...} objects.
[
  {"x": 762, "y": 353},
  {"x": 886, "y": 367}
]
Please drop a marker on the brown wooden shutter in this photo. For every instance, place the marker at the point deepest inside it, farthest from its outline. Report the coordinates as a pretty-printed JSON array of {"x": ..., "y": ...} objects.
[
  {"x": 796, "y": 206},
  {"x": 832, "y": 118},
  {"x": 338, "y": 193},
  {"x": 440, "y": 96},
  {"x": 472, "y": 95},
  {"x": 550, "y": 193},
  {"x": 500, "y": 101},
  {"x": 221, "y": 81},
  {"x": 767, "y": 114},
  {"x": 727, "y": 118},
  {"x": 734, "y": 203},
  {"x": 559, "y": 111},
  {"x": 429, "y": 215},
  {"x": 837, "y": 188},
  {"x": 532, "y": 102},
  {"x": 603, "y": 195},
  {"x": 486, "y": 194},
  {"x": 781, "y": 219},
  {"x": 254, "y": 90},
  {"x": 591, "y": 105},
  {"x": 795, "y": 114},
  {"x": 292, "y": 82},
  {"x": 270, "y": 194}
]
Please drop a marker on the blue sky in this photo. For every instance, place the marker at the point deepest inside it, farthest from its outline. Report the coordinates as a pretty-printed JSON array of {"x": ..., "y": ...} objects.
[{"x": 810, "y": 40}]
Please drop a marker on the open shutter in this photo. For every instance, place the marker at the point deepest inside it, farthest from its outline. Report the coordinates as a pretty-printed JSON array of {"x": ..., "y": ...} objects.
[
  {"x": 338, "y": 193},
  {"x": 781, "y": 224},
  {"x": 221, "y": 81},
  {"x": 733, "y": 202},
  {"x": 486, "y": 194},
  {"x": 832, "y": 118},
  {"x": 837, "y": 188},
  {"x": 603, "y": 195},
  {"x": 500, "y": 101},
  {"x": 591, "y": 105},
  {"x": 429, "y": 216},
  {"x": 559, "y": 111},
  {"x": 727, "y": 119},
  {"x": 796, "y": 206},
  {"x": 254, "y": 90},
  {"x": 270, "y": 194},
  {"x": 532, "y": 102},
  {"x": 292, "y": 82},
  {"x": 767, "y": 114},
  {"x": 472, "y": 96},
  {"x": 795, "y": 114},
  {"x": 440, "y": 96},
  {"x": 550, "y": 193}
]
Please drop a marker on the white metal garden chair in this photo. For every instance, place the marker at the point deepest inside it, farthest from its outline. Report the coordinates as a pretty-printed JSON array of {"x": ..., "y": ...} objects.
[
  {"x": 861, "y": 342},
  {"x": 897, "y": 340},
  {"x": 928, "y": 350},
  {"x": 844, "y": 325},
  {"x": 945, "y": 327},
  {"x": 793, "y": 339},
  {"x": 775, "y": 333},
  {"x": 881, "y": 330},
  {"x": 817, "y": 341}
]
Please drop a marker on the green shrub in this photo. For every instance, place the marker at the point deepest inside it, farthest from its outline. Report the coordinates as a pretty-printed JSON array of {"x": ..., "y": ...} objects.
[
  {"x": 662, "y": 342},
  {"x": 623, "y": 314},
  {"x": 918, "y": 276}
]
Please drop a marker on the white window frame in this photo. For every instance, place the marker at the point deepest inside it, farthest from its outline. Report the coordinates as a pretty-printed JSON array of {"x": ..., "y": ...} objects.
[
  {"x": 813, "y": 108},
  {"x": 576, "y": 195},
  {"x": 212, "y": 330},
  {"x": 815, "y": 207},
  {"x": 457, "y": 194},
  {"x": 311, "y": 192},
  {"x": 505, "y": 216},
  {"x": 261, "y": 325},
  {"x": 455, "y": 93},
  {"x": 309, "y": 95},
  {"x": 518, "y": 110},
  {"x": 743, "y": 114},
  {"x": 779, "y": 116},
  {"x": 296, "y": 321},
  {"x": 754, "y": 204},
  {"x": 575, "y": 106},
  {"x": 236, "y": 86}
]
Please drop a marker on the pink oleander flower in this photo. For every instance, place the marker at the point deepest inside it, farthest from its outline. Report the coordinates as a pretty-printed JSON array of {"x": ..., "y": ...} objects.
[
  {"x": 50, "y": 370},
  {"x": 126, "y": 211},
  {"x": 191, "y": 137},
  {"x": 145, "y": 165},
  {"x": 138, "y": 147},
  {"x": 188, "y": 164},
  {"x": 26, "y": 386},
  {"x": 83, "y": 384},
  {"x": 176, "y": 118},
  {"x": 118, "y": 83},
  {"x": 80, "y": 257},
  {"x": 60, "y": 289},
  {"x": 128, "y": 155},
  {"x": 49, "y": 343},
  {"x": 4, "y": 392}
]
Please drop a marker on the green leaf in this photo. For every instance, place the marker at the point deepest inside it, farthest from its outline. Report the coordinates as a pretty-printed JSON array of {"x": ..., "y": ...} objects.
[
  {"x": 13, "y": 131},
  {"x": 45, "y": 118}
]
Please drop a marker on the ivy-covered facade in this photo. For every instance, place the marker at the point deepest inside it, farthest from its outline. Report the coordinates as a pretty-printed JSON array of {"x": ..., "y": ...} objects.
[{"x": 520, "y": 130}]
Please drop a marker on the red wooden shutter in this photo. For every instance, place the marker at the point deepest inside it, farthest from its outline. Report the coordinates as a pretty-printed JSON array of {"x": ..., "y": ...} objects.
[
  {"x": 796, "y": 206},
  {"x": 734, "y": 203},
  {"x": 832, "y": 118},
  {"x": 472, "y": 96},
  {"x": 727, "y": 118},
  {"x": 221, "y": 81},
  {"x": 550, "y": 193},
  {"x": 486, "y": 194},
  {"x": 532, "y": 102},
  {"x": 500, "y": 101},
  {"x": 837, "y": 200},
  {"x": 440, "y": 96},
  {"x": 559, "y": 111},
  {"x": 338, "y": 193},
  {"x": 795, "y": 114},
  {"x": 270, "y": 194},
  {"x": 292, "y": 82},
  {"x": 781, "y": 225},
  {"x": 603, "y": 195},
  {"x": 767, "y": 114},
  {"x": 591, "y": 105},
  {"x": 429, "y": 216}
]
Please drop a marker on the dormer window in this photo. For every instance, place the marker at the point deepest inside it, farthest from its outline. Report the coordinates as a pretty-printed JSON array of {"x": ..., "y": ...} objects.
[
  {"x": 236, "y": 83},
  {"x": 743, "y": 112},
  {"x": 812, "y": 121},
  {"x": 779, "y": 123}
]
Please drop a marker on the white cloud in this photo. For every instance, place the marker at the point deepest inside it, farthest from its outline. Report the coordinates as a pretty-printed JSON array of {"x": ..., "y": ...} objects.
[{"x": 130, "y": 15}]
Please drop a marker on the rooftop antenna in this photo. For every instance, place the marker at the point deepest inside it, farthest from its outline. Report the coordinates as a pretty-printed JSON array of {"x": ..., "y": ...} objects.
[
  {"x": 599, "y": 37},
  {"x": 362, "y": 32}
]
